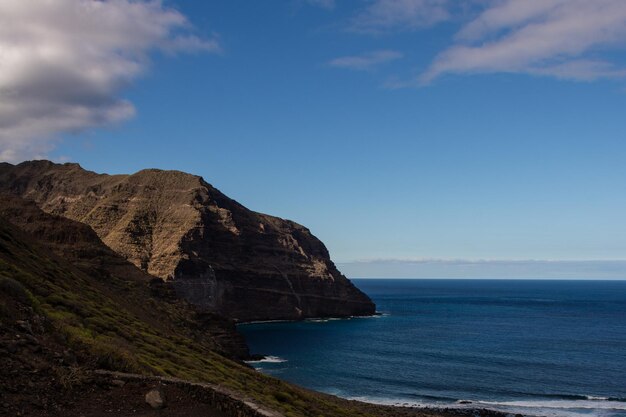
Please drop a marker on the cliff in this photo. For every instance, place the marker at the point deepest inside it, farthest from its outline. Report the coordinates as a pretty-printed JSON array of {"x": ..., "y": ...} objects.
[
  {"x": 218, "y": 254},
  {"x": 78, "y": 248}
]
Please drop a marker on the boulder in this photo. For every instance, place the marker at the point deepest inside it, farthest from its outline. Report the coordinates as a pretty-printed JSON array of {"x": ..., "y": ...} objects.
[{"x": 156, "y": 398}]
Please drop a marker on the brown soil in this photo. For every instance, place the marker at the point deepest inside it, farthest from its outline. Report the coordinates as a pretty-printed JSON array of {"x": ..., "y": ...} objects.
[{"x": 106, "y": 400}]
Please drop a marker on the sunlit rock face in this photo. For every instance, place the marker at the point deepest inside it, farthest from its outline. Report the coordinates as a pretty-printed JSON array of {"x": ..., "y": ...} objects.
[{"x": 218, "y": 254}]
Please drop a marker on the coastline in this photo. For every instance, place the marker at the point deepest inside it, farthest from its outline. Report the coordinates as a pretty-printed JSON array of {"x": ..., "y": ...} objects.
[
  {"x": 400, "y": 410},
  {"x": 310, "y": 319},
  {"x": 382, "y": 409},
  {"x": 442, "y": 341}
]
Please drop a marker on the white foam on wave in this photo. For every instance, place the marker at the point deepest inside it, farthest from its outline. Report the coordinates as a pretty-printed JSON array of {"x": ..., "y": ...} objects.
[
  {"x": 389, "y": 401},
  {"x": 597, "y": 403},
  {"x": 269, "y": 359},
  {"x": 314, "y": 319},
  {"x": 378, "y": 315},
  {"x": 262, "y": 322},
  {"x": 326, "y": 320},
  {"x": 592, "y": 407}
]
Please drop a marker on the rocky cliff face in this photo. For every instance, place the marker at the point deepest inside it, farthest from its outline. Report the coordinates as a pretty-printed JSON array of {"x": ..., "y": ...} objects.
[
  {"x": 218, "y": 254},
  {"x": 77, "y": 246}
]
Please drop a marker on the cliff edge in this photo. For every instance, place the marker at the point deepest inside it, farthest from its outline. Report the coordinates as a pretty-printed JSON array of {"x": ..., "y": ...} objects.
[{"x": 218, "y": 254}]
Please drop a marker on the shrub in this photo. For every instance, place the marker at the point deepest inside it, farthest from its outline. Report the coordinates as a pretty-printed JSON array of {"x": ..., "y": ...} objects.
[
  {"x": 283, "y": 397},
  {"x": 16, "y": 290},
  {"x": 71, "y": 377},
  {"x": 112, "y": 356},
  {"x": 4, "y": 312}
]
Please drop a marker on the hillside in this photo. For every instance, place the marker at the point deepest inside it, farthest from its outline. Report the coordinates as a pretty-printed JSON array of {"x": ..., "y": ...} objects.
[
  {"x": 64, "y": 314},
  {"x": 218, "y": 254}
]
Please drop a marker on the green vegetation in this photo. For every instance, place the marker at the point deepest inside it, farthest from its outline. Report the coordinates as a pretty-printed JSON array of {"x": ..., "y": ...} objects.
[
  {"x": 15, "y": 289},
  {"x": 122, "y": 327}
]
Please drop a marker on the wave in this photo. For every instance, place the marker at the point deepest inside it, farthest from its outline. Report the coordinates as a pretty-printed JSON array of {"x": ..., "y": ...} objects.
[
  {"x": 317, "y": 320},
  {"x": 571, "y": 396},
  {"x": 245, "y": 323},
  {"x": 325, "y": 319},
  {"x": 576, "y": 397},
  {"x": 376, "y": 315},
  {"x": 587, "y": 404},
  {"x": 269, "y": 359},
  {"x": 576, "y": 406},
  {"x": 390, "y": 401},
  {"x": 314, "y": 319}
]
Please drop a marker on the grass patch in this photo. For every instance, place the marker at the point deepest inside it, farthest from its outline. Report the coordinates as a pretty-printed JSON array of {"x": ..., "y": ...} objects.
[{"x": 16, "y": 290}]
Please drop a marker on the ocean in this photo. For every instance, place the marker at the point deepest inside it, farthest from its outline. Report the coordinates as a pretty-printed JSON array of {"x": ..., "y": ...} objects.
[{"x": 535, "y": 347}]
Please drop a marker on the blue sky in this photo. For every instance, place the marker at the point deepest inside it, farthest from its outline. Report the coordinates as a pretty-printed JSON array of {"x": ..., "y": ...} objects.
[{"x": 411, "y": 132}]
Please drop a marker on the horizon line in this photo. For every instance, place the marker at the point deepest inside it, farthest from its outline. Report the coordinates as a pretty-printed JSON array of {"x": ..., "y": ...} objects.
[
  {"x": 486, "y": 279},
  {"x": 473, "y": 260}
]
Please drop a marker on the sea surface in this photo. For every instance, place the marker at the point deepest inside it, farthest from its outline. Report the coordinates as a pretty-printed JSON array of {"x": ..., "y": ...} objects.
[{"x": 535, "y": 347}]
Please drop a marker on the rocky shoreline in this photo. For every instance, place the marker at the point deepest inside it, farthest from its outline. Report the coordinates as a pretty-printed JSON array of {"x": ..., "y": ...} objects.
[{"x": 310, "y": 319}]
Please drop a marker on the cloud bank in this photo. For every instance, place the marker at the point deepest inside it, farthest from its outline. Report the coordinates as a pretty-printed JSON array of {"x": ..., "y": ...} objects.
[
  {"x": 563, "y": 39},
  {"x": 490, "y": 269},
  {"x": 558, "y": 38},
  {"x": 64, "y": 64}
]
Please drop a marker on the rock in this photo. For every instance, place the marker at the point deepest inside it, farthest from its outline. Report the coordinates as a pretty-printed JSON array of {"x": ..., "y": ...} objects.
[
  {"x": 69, "y": 357},
  {"x": 156, "y": 398},
  {"x": 36, "y": 402},
  {"x": 24, "y": 325},
  {"x": 31, "y": 339},
  {"x": 176, "y": 226}
]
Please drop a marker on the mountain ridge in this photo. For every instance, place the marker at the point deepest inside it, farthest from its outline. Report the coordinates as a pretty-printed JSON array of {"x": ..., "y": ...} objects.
[{"x": 218, "y": 254}]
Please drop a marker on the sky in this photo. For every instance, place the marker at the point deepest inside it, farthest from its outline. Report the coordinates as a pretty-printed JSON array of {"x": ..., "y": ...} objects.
[{"x": 415, "y": 138}]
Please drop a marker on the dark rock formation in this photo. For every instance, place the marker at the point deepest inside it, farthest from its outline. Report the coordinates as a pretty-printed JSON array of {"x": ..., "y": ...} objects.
[{"x": 218, "y": 254}]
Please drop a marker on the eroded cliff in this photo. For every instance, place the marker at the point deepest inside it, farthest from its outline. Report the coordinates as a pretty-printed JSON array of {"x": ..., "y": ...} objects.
[{"x": 217, "y": 253}]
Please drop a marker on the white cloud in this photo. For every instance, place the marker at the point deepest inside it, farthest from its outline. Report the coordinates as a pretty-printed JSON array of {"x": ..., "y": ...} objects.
[
  {"x": 493, "y": 269},
  {"x": 558, "y": 38},
  {"x": 384, "y": 15},
  {"x": 63, "y": 64},
  {"x": 365, "y": 61}
]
